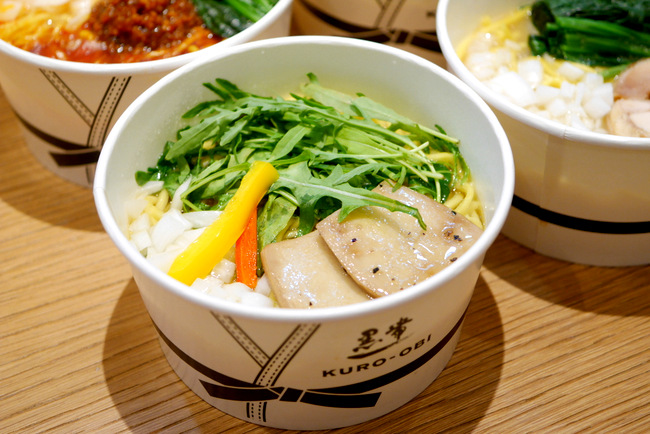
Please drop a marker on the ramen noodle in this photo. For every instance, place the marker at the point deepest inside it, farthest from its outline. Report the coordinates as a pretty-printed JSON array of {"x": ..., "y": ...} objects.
[
  {"x": 297, "y": 167},
  {"x": 571, "y": 93},
  {"x": 164, "y": 221},
  {"x": 161, "y": 231}
]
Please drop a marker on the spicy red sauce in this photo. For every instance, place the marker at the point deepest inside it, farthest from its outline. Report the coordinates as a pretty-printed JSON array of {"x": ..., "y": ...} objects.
[{"x": 125, "y": 31}]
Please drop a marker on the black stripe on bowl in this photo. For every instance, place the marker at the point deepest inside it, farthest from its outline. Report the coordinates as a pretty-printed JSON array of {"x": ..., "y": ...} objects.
[{"x": 580, "y": 224}]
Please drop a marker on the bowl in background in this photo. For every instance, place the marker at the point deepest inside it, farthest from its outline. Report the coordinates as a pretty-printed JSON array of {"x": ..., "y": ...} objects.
[
  {"x": 580, "y": 196},
  {"x": 407, "y": 24},
  {"x": 66, "y": 109},
  {"x": 293, "y": 368}
]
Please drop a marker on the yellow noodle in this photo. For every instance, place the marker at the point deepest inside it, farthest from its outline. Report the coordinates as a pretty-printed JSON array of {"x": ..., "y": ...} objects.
[
  {"x": 551, "y": 65},
  {"x": 476, "y": 219},
  {"x": 510, "y": 19},
  {"x": 464, "y": 201},
  {"x": 27, "y": 28},
  {"x": 162, "y": 200},
  {"x": 497, "y": 28},
  {"x": 158, "y": 204},
  {"x": 42, "y": 25},
  {"x": 154, "y": 214},
  {"x": 465, "y": 205},
  {"x": 510, "y": 28},
  {"x": 454, "y": 199}
]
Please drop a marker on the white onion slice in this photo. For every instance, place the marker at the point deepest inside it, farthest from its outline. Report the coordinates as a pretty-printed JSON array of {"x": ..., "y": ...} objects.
[{"x": 170, "y": 226}]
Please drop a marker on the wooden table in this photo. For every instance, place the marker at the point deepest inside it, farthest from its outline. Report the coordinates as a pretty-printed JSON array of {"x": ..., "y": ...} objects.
[{"x": 547, "y": 346}]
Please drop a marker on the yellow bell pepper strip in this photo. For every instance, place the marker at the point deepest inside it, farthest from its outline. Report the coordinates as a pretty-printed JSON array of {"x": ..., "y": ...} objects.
[
  {"x": 201, "y": 256},
  {"x": 246, "y": 253}
]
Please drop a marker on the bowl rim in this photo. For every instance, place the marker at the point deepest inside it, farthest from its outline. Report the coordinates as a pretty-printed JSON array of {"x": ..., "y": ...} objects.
[
  {"x": 516, "y": 112},
  {"x": 501, "y": 208},
  {"x": 150, "y": 66}
]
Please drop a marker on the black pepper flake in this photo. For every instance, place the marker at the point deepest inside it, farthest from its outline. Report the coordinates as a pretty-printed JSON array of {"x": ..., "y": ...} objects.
[
  {"x": 453, "y": 259},
  {"x": 453, "y": 212},
  {"x": 457, "y": 238},
  {"x": 374, "y": 270},
  {"x": 354, "y": 240}
]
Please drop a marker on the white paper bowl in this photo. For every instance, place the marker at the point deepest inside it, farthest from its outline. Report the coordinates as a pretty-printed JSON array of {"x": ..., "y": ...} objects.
[
  {"x": 291, "y": 368},
  {"x": 409, "y": 25},
  {"x": 66, "y": 109},
  {"x": 579, "y": 196}
]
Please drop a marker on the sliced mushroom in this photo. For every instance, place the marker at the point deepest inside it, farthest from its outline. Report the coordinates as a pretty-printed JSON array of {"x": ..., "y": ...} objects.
[
  {"x": 303, "y": 273},
  {"x": 386, "y": 252},
  {"x": 634, "y": 82},
  {"x": 630, "y": 117}
]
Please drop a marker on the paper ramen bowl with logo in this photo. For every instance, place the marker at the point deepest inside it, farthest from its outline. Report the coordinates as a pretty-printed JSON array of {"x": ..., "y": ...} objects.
[
  {"x": 580, "y": 196},
  {"x": 66, "y": 109},
  {"x": 318, "y": 368}
]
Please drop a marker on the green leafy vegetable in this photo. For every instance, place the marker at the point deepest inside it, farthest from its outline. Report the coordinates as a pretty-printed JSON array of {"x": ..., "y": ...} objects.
[
  {"x": 329, "y": 149},
  {"x": 229, "y": 17},
  {"x": 634, "y": 14},
  {"x": 593, "y": 32}
]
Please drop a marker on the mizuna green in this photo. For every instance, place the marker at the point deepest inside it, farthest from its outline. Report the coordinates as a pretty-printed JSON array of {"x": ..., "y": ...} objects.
[{"x": 327, "y": 146}]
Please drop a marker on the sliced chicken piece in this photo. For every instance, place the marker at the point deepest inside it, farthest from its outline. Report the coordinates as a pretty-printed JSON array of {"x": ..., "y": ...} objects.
[
  {"x": 386, "y": 252},
  {"x": 304, "y": 273},
  {"x": 630, "y": 117},
  {"x": 634, "y": 82}
]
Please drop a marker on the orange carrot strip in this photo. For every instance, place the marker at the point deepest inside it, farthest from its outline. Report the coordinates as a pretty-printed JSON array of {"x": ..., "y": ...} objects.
[
  {"x": 246, "y": 253},
  {"x": 200, "y": 257}
]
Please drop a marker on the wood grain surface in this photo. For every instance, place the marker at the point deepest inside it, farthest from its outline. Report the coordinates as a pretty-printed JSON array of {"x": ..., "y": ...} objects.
[{"x": 547, "y": 346}]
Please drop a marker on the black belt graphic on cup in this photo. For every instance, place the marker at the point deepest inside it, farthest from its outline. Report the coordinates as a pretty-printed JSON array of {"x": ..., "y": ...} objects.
[
  {"x": 427, "y": 40},
  {"x": 75, "y": 154},
  {"x": 271, "y": 366},
  {"x": 263, "y": 388},
  {"x": 580, "y": 224}
]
